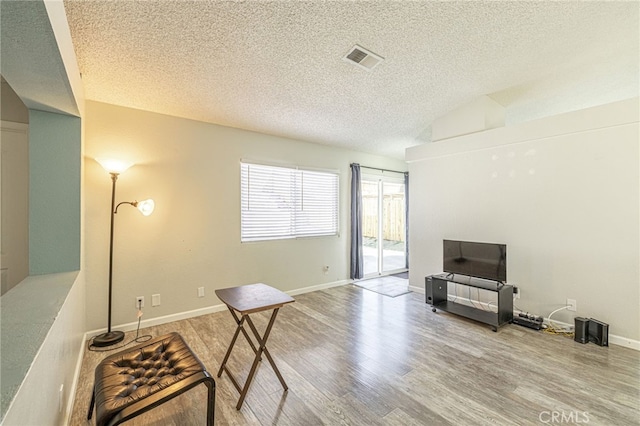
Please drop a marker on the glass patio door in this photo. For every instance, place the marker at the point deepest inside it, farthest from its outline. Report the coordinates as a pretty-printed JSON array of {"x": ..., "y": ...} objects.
[{"x": 383, "y": 227}]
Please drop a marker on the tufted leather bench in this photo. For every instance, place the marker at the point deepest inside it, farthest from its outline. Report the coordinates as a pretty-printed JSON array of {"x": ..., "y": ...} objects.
[{"x": 138, "y": 379}]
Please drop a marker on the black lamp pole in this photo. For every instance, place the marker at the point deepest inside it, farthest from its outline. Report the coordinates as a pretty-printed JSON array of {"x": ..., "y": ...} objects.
[{"x": 110, "y": 337}]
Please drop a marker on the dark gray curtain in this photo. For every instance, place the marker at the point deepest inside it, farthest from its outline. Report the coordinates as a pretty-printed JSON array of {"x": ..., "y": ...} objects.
[
  {"x": 406, "y": 217},
  {"x": 357, "y": 263}
]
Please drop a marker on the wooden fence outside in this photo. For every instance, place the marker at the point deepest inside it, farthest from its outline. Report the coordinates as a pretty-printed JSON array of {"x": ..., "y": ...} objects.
[{"x": 393, "y": 227}]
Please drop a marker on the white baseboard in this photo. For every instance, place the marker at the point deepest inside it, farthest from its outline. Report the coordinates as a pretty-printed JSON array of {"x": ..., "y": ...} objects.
[
  {"x": 74, "y": 385},
  {"x": 613, "y": 339},
  {"x": 623, "y": 341},
  {"x": 317, "y": 287},
  {"x": 201, "y": 311},
  {"x": 416, "y": 289},
  {"x": 160, "y": 320}
]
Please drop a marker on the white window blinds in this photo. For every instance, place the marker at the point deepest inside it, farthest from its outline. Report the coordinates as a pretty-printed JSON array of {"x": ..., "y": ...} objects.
[{"x": 281, "y": 202}]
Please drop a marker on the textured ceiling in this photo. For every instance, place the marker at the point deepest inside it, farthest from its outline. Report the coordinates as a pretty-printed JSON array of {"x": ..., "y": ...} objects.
[{"x": 276, "y": 66}]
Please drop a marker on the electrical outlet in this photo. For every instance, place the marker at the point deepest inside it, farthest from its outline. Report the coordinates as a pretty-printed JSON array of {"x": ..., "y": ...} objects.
[
  {"x": 572, "y": 305},
  {"x": 155, "y": 300},
  {"x": 326, "y": 269},
  {"x": 518, "y": 292},
  {"x": 139, "y": 302},
  {"x": 200, "y": 291}
]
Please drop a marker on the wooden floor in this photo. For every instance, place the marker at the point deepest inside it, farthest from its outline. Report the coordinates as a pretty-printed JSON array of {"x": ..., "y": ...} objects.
[{"x": 354, "y": 357}]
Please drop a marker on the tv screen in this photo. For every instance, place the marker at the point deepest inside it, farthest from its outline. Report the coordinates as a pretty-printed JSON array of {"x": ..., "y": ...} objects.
[{"x": 480, "y": 260}]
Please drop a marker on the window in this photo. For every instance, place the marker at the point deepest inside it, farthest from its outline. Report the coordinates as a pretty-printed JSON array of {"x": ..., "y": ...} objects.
[{"x": 281, "y": 202}]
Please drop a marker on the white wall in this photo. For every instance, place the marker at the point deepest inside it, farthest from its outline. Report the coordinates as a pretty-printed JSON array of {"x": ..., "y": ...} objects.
[
  {"x": 46, "y": 394},
  {"x": 561, "y": 192},
  {"x": 192, "y": 171},
  {"x": 11, "y": 106},
  {"x": 14, "y": 257}
]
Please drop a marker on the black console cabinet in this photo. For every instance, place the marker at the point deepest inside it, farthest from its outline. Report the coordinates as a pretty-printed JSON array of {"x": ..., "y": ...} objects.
[{"x": 436, "y": 296}]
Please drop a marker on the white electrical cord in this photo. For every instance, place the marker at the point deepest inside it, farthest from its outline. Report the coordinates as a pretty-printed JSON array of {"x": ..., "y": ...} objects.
[{"x": 555, "y": 327}]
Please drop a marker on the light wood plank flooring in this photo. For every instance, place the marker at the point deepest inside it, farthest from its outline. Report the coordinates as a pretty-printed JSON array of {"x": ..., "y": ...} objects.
[{"x": 354, "y": 357}]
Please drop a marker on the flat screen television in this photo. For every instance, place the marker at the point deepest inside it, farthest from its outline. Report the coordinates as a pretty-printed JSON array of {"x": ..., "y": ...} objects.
[{"x": 480, "y": 260}]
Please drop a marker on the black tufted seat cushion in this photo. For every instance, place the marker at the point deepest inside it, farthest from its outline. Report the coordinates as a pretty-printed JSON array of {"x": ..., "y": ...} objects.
[{"x": 144, "y": 377}]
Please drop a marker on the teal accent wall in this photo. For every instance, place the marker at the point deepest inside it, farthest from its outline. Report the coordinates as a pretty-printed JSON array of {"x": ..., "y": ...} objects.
[{"x": 54, "y": 192}]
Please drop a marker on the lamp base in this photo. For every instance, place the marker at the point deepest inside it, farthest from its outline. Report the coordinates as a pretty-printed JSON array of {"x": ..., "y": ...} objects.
[{"x": 108, "y": 339}]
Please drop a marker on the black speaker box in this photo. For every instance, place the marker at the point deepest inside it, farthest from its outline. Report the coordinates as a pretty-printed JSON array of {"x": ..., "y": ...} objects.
[
  {"x": 581, "y": 330},
  {"x": 428, "y": 289},
  {"x": 598, "y": 332}
]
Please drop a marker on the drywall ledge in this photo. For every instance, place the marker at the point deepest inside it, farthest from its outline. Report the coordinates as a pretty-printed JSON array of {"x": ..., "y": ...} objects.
[
  {"x": 27, "y": 313},
  {"x": 600, "y": 117}
]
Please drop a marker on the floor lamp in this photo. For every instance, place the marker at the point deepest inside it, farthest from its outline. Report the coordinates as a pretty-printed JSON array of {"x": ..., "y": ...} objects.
[{"x": 115, "y": 168}]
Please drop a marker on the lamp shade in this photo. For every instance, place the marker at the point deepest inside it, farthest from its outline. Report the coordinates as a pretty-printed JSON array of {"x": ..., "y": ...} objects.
[
  {"x": 112, "y": 165},
  {"x": 146, "y": 206}
]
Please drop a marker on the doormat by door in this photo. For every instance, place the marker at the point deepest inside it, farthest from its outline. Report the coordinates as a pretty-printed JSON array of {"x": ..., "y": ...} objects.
[{"x": 388, "y": 286}]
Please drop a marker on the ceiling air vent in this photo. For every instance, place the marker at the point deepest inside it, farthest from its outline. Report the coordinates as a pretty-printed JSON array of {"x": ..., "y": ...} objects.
[{"x": 362, "y": 58}]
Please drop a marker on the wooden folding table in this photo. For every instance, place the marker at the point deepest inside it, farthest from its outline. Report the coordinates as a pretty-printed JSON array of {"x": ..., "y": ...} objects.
[{"x": 246, "y": 300}]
